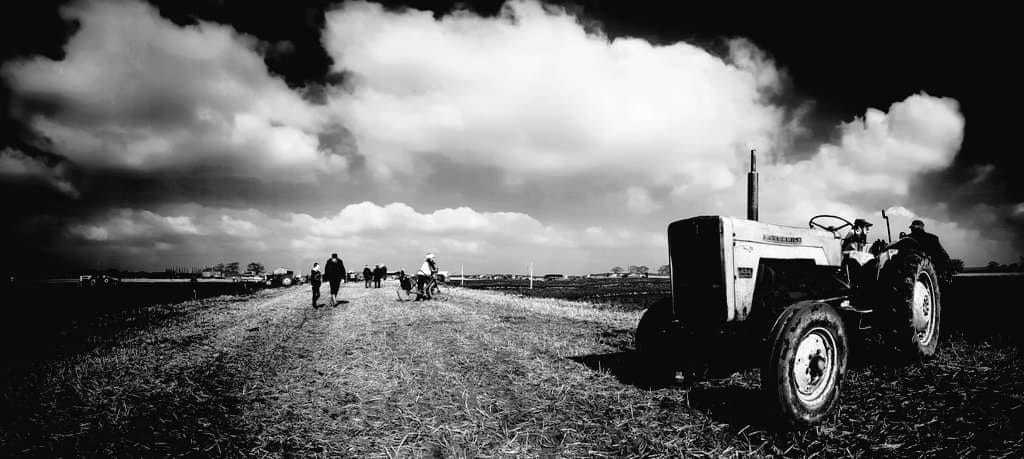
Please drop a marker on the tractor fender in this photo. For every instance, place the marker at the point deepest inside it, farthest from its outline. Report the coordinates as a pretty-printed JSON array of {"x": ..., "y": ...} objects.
[
  {"x": 907, "y": 243},
  {"x": 783, "y": 316}
]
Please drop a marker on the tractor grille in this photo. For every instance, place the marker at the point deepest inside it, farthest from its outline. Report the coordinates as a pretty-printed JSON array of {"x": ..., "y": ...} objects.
[{"x": 698, "y": 272}]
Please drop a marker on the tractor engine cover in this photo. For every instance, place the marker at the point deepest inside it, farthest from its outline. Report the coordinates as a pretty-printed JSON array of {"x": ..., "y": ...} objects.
[{"x": 715, "y": 262}]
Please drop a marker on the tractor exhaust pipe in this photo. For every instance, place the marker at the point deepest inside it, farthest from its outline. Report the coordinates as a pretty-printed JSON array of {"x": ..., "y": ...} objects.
[
  {"x": 888, "y": 230},
  {"x": 752, "y": 188}
]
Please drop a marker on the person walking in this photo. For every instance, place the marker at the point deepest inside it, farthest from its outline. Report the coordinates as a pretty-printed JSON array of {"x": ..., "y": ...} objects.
[
  {"x": 383, "y": 274},
  {"x": 367, "y": 276},
  {"x": 334, "y": 272},
  {"x": 315, "y": 275}
]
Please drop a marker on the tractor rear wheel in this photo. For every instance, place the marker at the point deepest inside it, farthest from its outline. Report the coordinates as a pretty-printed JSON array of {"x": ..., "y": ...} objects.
[
  {"x": 805, "y": 368},
  {"x": 910, "y": 312},
  {"x": 654, "y": 344}
]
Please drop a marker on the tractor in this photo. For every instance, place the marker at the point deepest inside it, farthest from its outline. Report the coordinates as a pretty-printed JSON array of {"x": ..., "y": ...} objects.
[
  {"x": 282, "y": 277},
  {"x": 797, "y": 293}
]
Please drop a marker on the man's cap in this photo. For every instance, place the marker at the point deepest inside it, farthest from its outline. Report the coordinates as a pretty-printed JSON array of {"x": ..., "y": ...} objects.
[
  {"x": 430, "y": 255},
  {"x": 917, "y": 223},
  {"x": 334, "y": 255},
  {"x": 862, "y": 222}
]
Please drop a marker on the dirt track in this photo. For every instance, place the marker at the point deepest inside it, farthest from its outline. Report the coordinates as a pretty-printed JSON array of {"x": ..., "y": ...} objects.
[{"x": 479, "y": 374}]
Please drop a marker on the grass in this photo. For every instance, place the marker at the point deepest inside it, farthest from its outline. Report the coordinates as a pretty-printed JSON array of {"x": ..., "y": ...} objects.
[{"x": 481, "y": 374}]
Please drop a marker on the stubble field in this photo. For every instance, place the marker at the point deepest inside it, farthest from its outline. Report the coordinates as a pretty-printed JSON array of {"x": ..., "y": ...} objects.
[{"x": 478, "y": 374}]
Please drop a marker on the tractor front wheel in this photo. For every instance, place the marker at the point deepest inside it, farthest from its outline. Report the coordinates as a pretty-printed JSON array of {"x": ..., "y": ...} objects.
[
  {"x": 805, "y": 368},
  {"x": 654, "y": 344}
]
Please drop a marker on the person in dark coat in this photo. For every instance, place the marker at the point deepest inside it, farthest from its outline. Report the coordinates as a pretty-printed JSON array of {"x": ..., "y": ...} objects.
[
  {"x": 405, "y": 283},
  {"x": 382, "y": 272},
  {"x": 367, "y": 276},
  {"x": 315, "y": 275},
  {"x": 334, "y": 273},
  {"x": 933, "y": 248}
]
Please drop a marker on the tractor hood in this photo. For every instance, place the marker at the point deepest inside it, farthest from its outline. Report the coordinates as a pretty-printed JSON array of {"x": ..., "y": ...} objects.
[{"x": 715, "y": 262}]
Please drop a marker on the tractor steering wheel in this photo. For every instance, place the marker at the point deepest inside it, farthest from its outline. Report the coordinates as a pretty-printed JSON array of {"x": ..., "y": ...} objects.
[{"x": 833, "y": 229}]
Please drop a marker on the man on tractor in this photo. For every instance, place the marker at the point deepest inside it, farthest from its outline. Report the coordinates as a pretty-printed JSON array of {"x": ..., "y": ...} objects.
[
  {"x": 857, "y": 238},
  {"x": 931, "y": 246}
]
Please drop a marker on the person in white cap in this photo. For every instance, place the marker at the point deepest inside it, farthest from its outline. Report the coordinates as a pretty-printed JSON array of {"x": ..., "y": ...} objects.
[{"x": 427, "y": 271}]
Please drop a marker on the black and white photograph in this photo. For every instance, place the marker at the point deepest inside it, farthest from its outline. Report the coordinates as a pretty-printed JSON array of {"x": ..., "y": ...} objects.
[{"x": 510, "y": 228}]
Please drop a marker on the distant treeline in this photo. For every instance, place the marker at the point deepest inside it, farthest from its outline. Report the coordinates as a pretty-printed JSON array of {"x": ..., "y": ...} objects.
[
  {"x": 229, "y": 269},
  {"x": 996, "y": 267}
]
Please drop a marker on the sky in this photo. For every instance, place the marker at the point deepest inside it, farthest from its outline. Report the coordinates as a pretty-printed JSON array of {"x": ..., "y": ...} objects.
[{"x": 146, "y": 135}]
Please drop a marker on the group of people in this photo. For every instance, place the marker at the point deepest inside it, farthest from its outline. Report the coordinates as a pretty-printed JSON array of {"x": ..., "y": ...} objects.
[
  {"x": 929, "y": 243},
  {"x": 374, "y": 276},
  {"x": 333, "y": 271}
]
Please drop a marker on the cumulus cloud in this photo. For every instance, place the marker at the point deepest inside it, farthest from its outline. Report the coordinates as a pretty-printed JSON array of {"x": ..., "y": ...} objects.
[
  {"x": 639, "y": 201},
  {"x": 393, "y": 233},
  {"x": 964, "y": 242},
  {"x": 873, "y": 165},
  {"x": 534, "y": 94},
  {"x": 874, "y": 162},
  {"x": 884, "y": 151},
  {"x": 131, "y": 225},
  {"x": 16, "y": 166},
  {"x": 138, "y": 93},
  {"x": 536, "y": 113},
  {"x": 239, "y": 227}
]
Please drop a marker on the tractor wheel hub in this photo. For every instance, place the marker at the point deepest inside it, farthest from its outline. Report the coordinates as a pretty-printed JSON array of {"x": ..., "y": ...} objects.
[{"x": 814, "y": 367}]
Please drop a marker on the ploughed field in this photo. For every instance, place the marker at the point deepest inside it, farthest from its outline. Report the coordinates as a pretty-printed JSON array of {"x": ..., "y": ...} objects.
[
  {"x": 476, "y": 373},
  {"x": 625, "y": 294}
]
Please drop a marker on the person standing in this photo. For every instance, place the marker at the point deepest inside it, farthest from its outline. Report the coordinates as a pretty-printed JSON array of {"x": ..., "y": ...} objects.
[
  {"x": 383, "y": 274},
  {"x": 367, "y": 276},
  {"x": 315, "y": 275},
  {"x": 404, "y": 284},
  {"x": 334, "y": 272}
]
